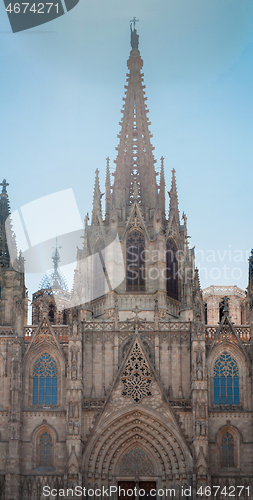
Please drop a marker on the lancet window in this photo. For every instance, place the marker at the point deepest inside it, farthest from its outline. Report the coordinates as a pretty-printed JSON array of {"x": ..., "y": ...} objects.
[
  {"x": 172, "y": 269},
  {"x": 135, "y": 261},
  {"x": 226, "y": 381},
  {"x": 99, "y": 282},
  {"x": 45, "y": 450},
  {"x": 227, "y": 450},
  {"x": 45, "y": 381}
]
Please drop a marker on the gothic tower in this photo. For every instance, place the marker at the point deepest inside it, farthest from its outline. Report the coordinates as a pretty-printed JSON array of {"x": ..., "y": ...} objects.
[{"x": 120, "y": 383}]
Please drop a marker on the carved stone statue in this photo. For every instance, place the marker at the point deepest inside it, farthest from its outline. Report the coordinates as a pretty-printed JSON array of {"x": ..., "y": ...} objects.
[
  {"x": 74, "y": 365},
  {"x": 203, "y": 428},
  {"x": 71, "y": 427},
  {"x": 199, "y": 363}
]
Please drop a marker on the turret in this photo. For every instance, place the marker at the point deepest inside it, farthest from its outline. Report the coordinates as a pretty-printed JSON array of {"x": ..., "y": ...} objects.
[
  {"x": 53, "y": 296},
  {"x": 173, "y": 207}
]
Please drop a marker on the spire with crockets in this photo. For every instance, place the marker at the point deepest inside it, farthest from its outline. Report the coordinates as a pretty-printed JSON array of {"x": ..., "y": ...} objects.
[
  {"x": 97, "y": 206},
  {"x": 5, "y": 238},
  {"x": 173, "y": 208},
  {"x": 135, "y": 176}
]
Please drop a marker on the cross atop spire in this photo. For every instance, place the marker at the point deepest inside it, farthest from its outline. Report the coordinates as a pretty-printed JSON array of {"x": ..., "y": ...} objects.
[
  {"x": 134, "y": 35},
  {"x": 4, "y": 184},
  {"x": 134, "y": 20}
]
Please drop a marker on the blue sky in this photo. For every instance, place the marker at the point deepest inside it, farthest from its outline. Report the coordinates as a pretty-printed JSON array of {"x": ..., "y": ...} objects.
[{"x": 61, "y": 93}]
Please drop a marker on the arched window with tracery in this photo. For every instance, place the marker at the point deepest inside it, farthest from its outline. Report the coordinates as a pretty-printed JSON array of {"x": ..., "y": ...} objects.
[
  {"x": 135, "y": 261},
  {"x": 172, "y": 269},
  {"x": 226, "y": 381},
  {"x": 45, "y": 450},
  {"x": 227, "y": 450},
  {"x": 45, "y": 381},
  {"x": 99, "y": 282}
]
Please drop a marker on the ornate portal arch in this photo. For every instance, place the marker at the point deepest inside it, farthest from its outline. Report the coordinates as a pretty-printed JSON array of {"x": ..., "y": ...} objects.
[{"x": 141, "y": 437}]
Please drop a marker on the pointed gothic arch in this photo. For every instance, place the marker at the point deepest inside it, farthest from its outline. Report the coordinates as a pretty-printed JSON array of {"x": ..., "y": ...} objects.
[
  {"x": 241, "y": 361},
  {"x": 31, "y": 357},
  {"x": 228, "y": 441},
  {"x": 172, "y": 282},
  {"x": 135, "y": 261},
  {"x": 44, "y": 439},
  {"x": 144, "y": 428},
  {"x": 45, "y": 381}
]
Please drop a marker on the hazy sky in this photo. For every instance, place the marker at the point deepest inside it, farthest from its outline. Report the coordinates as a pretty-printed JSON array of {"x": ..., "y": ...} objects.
[{"x": 61, "y": 93}]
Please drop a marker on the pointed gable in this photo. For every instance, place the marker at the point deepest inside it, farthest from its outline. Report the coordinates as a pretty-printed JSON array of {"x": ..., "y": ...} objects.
[
  {"x": 44, "y": 335},
  {"x": 136, "y": 376}
]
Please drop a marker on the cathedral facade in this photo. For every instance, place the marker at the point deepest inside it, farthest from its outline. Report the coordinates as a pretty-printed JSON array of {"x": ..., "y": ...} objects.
[{"x": 144, "y": 386}]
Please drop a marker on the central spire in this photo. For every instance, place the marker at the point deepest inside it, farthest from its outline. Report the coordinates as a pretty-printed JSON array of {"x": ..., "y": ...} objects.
[{"x": 135, "y": 176}]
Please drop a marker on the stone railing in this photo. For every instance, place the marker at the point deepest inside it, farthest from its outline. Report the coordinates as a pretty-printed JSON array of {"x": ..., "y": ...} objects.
[
  {"x": 221, "y": 291},
  {"x": 243, "y": 332},
  {"x": 89, "y": 403},
  {"x": 142, "y": 326},
  {"x": 180, "y": 403}
]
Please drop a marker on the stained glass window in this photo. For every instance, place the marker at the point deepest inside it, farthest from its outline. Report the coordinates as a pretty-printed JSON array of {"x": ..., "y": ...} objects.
[
  {"x": 45, "y": 445},
  {"x": 226, "y": 381},
  {"x": 227, "y": 450},
  {"x": 135, "y": 261},
  {"x": 45, "y": 381},
  {"x": 172, "y": 269}
]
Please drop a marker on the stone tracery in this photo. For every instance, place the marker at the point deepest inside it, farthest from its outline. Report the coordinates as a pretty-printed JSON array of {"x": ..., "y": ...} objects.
[{"x": 136, "y": 377}]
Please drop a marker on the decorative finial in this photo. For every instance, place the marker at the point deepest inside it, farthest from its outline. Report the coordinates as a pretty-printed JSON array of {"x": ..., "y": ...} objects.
[
  {"x": 134, "y": 21},
  {"x": 162, "y": 160},
  {"x": 134, "y": 35},
  {"x": 4, "y": 184}
]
